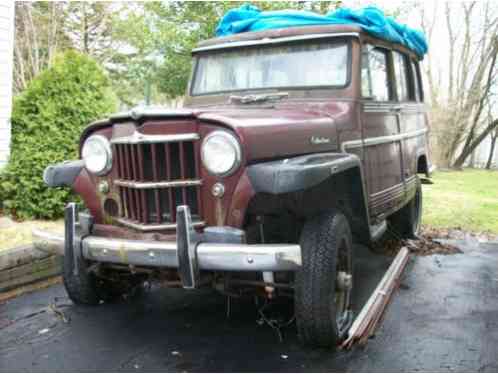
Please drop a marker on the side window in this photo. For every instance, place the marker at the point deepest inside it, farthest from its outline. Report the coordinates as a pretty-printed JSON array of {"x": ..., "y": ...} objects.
[
  {"x": 418, "y": 79},
  {"x": 401, "y": 74},
  {"x": 374, "y": 74},
  {"x": 416, "y": 86}
]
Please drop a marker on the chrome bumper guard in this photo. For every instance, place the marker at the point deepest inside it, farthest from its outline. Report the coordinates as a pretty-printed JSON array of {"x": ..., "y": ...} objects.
[{"x": 188, "y": 254}]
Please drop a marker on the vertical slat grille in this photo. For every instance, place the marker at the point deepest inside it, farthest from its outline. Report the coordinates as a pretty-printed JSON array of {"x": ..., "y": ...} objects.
[{"x": 154, "y": 178}]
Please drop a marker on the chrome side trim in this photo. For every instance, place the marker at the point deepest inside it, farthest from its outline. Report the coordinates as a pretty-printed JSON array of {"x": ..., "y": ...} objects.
[
  {"x": 392, "y": 108},
  {"x": 150, "y": 185},
  {"x": 381, "y": 139},
  {"x": 378, "y": 108},
  {"x": 154, "y": 227},
  {"x": 139, "y": 138},
  {"x": 268, "y": 41},
  {"x": 389, "y": 190}
]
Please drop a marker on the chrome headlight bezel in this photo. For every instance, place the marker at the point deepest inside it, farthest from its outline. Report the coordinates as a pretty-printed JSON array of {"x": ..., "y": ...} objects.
[
  {"x": 232, "y": 141},
  {"x": 105, "y": 145}
]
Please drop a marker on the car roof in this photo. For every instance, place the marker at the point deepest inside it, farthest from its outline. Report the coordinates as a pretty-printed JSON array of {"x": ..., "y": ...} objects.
[{"x": 262, "y": 37}]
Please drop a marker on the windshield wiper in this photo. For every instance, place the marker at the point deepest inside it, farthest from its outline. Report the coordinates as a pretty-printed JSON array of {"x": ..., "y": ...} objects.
[{"x": 248, "y": 99}]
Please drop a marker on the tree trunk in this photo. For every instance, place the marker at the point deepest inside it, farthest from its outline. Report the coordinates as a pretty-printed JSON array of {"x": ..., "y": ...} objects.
[
  {"x": 475, "y": 143},
  {"x": 492, "y": 151}
]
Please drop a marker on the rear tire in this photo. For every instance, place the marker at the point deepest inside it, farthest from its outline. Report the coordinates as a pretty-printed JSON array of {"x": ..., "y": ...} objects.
[
  {"x": 406, "y": 221},
  {"x": 322, "y": 318}
]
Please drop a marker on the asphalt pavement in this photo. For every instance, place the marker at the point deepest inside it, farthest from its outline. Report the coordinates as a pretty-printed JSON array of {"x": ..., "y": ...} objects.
[{"x": 444, "y": 317}]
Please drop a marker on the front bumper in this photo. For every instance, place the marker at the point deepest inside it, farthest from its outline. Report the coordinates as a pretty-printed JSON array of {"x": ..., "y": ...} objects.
[{"x": 189, "y": 254}]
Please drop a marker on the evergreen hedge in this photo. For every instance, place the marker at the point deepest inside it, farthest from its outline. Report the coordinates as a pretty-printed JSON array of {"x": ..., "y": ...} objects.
[{"x": 47, "y": 121}]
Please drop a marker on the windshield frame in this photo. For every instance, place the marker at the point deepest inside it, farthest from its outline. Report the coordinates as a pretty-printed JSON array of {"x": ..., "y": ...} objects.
[{"x": 347, "y": 40}]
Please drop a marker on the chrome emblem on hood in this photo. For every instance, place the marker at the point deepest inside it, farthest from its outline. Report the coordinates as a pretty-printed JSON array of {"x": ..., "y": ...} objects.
[{"x": 319, "y": 140}]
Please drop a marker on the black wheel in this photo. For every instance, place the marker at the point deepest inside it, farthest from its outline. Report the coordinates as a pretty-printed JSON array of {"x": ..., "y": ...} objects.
[
  {"x": 87, "y": 288},
  {"x": 406, "y": 221},
  {"x": 82, "y": 287},
  {"x": 324, "y": 284}
]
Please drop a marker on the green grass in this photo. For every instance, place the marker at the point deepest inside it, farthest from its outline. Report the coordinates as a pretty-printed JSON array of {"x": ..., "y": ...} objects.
[
  {"x": 466, "y": 200},
  {"x": 20, "y": 233}
]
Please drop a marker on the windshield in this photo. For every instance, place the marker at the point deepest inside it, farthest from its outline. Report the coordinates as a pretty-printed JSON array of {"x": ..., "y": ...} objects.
[{"x": 290, "y": 66}]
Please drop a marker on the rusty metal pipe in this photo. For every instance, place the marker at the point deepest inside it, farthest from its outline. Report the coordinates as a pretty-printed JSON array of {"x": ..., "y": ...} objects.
[{"x": 369, "y": 317}]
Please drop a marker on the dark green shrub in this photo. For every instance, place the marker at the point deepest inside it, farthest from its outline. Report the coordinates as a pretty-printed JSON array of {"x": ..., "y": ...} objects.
[{"x": 47, "y": 121}]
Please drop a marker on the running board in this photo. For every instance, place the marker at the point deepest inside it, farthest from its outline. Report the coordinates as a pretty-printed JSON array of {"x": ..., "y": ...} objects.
[
  {"x": 376, "y": 231},
  {"x": 426, "y": 181}
]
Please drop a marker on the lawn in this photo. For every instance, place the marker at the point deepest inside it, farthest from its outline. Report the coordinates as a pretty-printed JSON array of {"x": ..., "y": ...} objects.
[
  {"x": 19, "y": 233},
  {"x": 466, "y": 200}
]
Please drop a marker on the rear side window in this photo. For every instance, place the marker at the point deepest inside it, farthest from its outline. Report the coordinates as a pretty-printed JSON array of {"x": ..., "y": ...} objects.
[
  {"x": 416, "y": 87},
  {"x": 401, "y": 73},
  {"x": 374, "y": 74},
  {"x": 419, "y": 92}
]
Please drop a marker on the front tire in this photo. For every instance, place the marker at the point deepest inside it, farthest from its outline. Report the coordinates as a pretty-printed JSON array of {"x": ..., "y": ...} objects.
[
  {"x": 86, "y": 288},
  {"x": 323, "y": 286},
  {"x": 81, "y": 287}
]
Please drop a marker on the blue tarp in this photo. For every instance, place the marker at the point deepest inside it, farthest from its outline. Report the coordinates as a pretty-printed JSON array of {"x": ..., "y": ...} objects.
[{"x": 371, "y": 19}]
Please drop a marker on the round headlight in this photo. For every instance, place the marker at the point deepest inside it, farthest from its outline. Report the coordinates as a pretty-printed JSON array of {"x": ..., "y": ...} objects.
[
  {"x": 97, "y": 155},
  {"x": 220, "y": 153}
]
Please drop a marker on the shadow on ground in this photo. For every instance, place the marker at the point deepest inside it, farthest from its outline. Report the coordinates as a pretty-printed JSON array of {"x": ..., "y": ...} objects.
[{"x": 443, "y": 318}]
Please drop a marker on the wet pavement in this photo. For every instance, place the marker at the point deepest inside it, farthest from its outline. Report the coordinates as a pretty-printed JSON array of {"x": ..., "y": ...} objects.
[{"x": 444, "y": 317}]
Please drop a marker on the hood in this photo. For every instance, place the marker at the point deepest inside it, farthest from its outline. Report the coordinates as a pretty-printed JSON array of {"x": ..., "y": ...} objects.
[
  {"x": 265, "y": 132},
  {"x": 269, "y": 133}
]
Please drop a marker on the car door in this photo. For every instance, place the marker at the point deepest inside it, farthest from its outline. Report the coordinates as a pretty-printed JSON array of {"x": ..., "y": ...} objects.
[
  {"x": 410, "y": 118},
  {"x": 380, "y": 124}
]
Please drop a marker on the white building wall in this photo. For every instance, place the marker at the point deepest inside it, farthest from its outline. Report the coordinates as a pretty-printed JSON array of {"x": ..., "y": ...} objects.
[
  {"x": 482, "y": 154},
  {"x": 6, "y": 68}
]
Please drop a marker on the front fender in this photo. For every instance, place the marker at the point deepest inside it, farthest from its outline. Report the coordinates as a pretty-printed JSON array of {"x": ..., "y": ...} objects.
[
  {"x": 307, "y": 174},
  {"x": 299, "y": 173}
]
